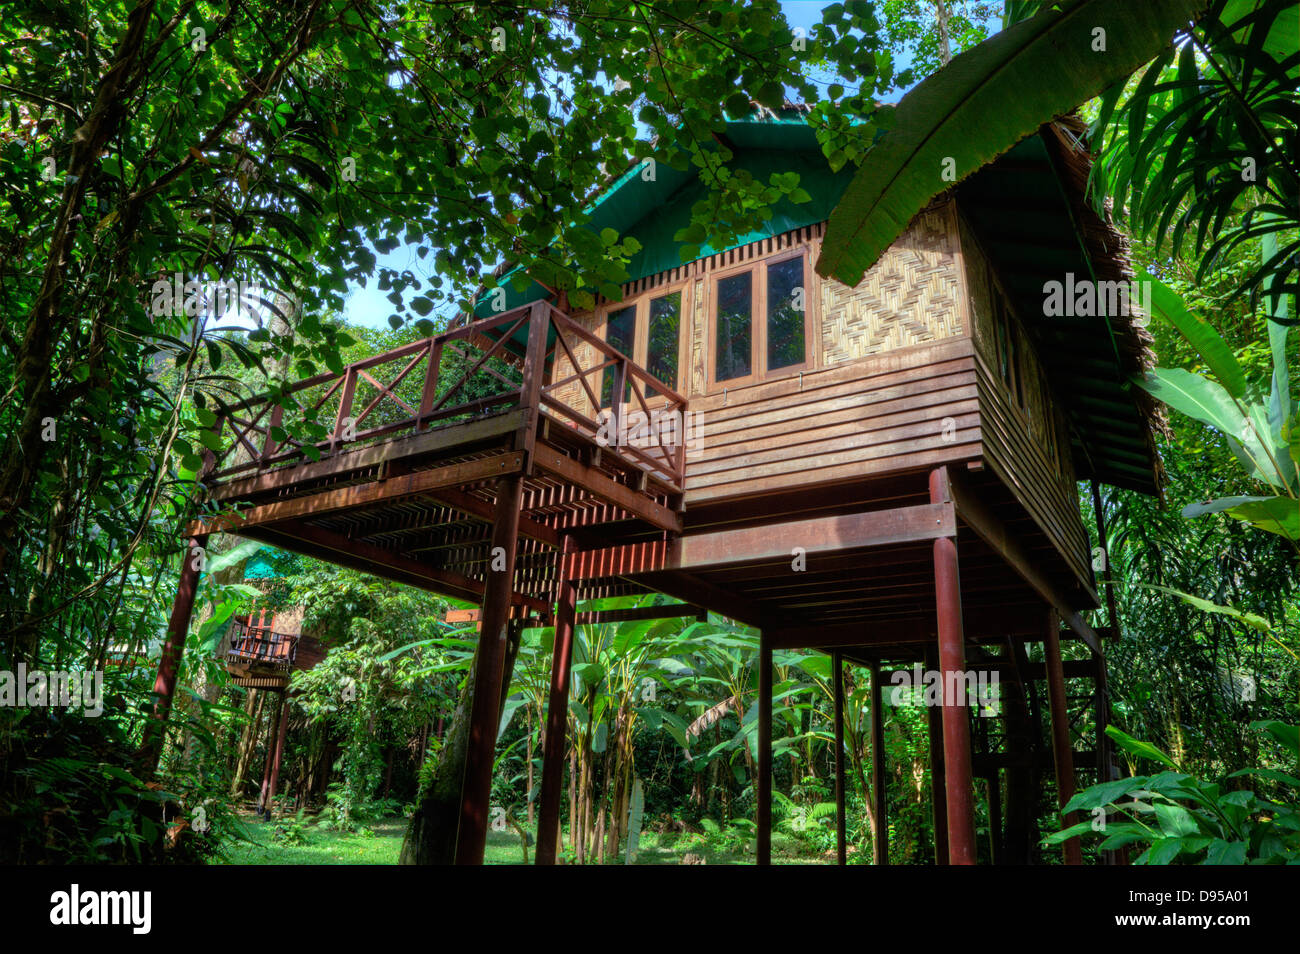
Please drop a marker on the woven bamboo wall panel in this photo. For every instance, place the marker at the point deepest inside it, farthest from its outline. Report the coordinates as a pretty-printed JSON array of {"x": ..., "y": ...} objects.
[
  {"x": 909, "y": 297},
  {"x": 698, "y": 331},
  {"x": 573, "y": 394}
]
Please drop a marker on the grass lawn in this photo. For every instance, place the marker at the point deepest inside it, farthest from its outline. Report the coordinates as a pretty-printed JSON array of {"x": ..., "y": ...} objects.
[{"x": 384, "y": 843}]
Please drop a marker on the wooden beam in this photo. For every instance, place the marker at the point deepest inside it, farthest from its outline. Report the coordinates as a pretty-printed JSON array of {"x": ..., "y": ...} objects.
[
  {"x": 956, "y": 721},
  {"x": 557, "y": 720},
  {"x": 457, "y": 499},
  {"x": 598, "y": 483},
  {"x": 693, "y": 589},
  {"x": 292, "y": 535},
  {"x": 980, "y": 623},
  {"x": 675, "y": 611},
  {"x": 380, "y": 491},
  {"x": 417, "y": 445},
  {"x": 707, "y": 551},
  {"x": 488, "y": 671},
  {"x": 993, "y": 532}
]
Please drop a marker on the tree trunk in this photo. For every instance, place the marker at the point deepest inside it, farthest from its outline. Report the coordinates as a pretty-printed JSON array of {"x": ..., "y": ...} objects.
[
  {"x": 246, "y": 745},
  {"x": 431, "y": 837}
]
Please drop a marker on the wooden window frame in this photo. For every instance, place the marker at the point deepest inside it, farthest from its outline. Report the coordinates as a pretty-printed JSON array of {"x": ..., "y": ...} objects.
[
  {"x": 640, "y": 355},
  {"x": 759, "y": 371}
]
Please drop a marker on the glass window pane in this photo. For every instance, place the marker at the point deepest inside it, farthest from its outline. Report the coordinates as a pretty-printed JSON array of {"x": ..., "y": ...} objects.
[
  {"x": 735, "y": 326},
  {"x": 785, "y": 311},
  {"x": 664, "y": 335},
  {"x": 620, "y": 333}
]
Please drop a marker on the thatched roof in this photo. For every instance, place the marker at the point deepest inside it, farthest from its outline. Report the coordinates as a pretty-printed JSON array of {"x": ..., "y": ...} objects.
[{"x": 1030, "y": 209}]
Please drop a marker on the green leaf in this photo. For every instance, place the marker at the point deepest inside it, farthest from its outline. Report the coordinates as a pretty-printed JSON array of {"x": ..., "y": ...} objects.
[
  {"x": 1250, "y": 619},
  {"x": 1105, "y": 793},
  {"x": 1137, "y": 747},
  {"x": 1288, "y": 735},
  {"x": 982, "y": 103},
  {"x": 1223, "y": 852},
  {"x": 1197, "y": 397},
  {"x": 1175, "y": 820},
  {"x": 1214, "y": 351}
]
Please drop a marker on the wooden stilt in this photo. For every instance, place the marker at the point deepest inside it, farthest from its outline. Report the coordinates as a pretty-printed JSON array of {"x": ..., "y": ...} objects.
[
  {"x": 557, "y": 720},
  {"x": 764, "y": 819},
  {"x": 879, "y": 803},
  {"x": 952, "y": 667},
  {"x": 841, "y": 846},
  {"x": 1019, "y": 835},
  {"x": 471, "y": 840},
  {"x": 279, "y": 753},
  {"x": 272, "y": 733},
  {"x": 1063, "y": 756},
  {"x": 173, "y": 650}
]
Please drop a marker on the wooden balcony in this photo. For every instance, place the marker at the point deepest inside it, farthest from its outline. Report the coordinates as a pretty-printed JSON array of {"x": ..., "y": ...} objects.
[{"x": 391, "y": 464}]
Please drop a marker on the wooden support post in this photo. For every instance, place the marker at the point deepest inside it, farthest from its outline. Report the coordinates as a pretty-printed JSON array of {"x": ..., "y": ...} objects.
[
  {"x": 837, "y": 672},
  {"x": 430, "y": 392},
  {"x": 539, "y": 324},
  {"x": 764, "y": 819},
  {"x": 557, "y": 717},
  {"x": 1019, "y": 836},
  {"x": 952, "y": 667},
  {"x": 272, "y": 732},
  {"x": 489, "y": 661},
  {"x": 879, "y": 803},
  {"x": 1061, "y": 751},
  {"x": 344, "y": 414},
  {"x": 173, "y": 651},
  {"x": 279, "y": 753}
]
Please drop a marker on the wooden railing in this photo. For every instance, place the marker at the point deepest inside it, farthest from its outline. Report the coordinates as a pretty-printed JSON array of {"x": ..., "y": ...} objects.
[
  {"x": 252, "y": 642},
  {"x": 463, "y": 373},
  {"x": 668, "y": 460}
]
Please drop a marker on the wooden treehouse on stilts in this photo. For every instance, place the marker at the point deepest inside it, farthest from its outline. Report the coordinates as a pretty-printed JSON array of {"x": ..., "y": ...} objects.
[{"x": 887, "y": 473}]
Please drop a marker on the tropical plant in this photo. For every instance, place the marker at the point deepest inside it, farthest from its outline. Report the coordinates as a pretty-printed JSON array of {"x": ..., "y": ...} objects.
[
  {"x": 1185, "y": 820},
  {"x": 1203, "y": 145},
  {"x": 982, "y": 103}
]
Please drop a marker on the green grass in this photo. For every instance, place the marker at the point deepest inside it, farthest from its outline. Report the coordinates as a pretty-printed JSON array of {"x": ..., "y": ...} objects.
[
  {"x": 381, "y": 847},
  {"x": 384, "y": 844}
]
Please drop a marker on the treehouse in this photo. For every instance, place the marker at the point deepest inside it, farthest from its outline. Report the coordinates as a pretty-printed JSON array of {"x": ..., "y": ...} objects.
[
  {"x": 261, "y": 653},
  {"x": 885, "y": 472}
]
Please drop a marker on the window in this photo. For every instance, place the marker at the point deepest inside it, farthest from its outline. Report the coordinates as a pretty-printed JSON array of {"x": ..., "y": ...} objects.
[
  {"x": 620, "y": 333},
  {"x": 663, "y": 339},
  {"x": 735, "y": 325},
  {"x": 649, "y": 331},
  {"x": 760, "y": 321},
  {"x": 785, "y": 311}
]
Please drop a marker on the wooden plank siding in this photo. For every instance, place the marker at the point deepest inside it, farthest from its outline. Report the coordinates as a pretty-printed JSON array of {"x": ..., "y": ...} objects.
[
  {"x": 868, "y": 417},
  {"x": 1026, "y": 442}
]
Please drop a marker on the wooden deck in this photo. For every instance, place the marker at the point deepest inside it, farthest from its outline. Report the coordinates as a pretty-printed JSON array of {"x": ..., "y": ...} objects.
[{"x": 403, "y": 482}]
